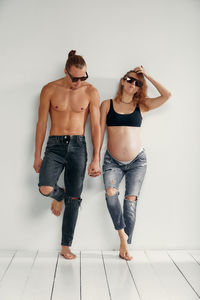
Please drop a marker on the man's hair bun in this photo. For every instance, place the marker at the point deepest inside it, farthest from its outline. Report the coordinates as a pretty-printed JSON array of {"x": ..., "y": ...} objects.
[
  {"x": 72, "y": 53},
  {"x": 74, "y": 60}
]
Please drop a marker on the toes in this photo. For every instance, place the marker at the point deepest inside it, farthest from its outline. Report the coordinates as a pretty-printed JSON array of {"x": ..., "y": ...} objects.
[
  {"x": 68, "y": 255},
  {"x": 55, "y": 210},
  {"x": 125, "y": 256},
  {"x": 122, "y": 256}
]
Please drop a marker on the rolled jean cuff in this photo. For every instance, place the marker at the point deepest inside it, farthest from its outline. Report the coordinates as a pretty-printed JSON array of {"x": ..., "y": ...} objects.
[
  {"x": 67, "y": 243},
  {"x": 120, "y": 227},
  {"x": 57, "y": 193}
]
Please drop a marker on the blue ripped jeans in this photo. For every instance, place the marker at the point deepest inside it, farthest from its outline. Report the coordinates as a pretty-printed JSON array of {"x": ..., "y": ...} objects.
[{"x": 134, "y": 172}]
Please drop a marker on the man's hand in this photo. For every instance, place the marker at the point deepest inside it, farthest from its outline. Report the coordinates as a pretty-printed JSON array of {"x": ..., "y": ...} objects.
[
  {"x": 37, "y": 164},
  {"x": 94, "y": 168}
]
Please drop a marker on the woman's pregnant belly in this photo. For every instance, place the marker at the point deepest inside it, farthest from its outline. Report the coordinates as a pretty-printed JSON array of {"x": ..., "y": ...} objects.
[{"x": 124, "y": 142}]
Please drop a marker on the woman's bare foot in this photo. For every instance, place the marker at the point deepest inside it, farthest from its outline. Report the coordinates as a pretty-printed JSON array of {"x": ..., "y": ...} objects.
[
  {"x": 123, "y": 251},
  {"x": 56, "y": 207},
  {"x": 66, "y": 253}
]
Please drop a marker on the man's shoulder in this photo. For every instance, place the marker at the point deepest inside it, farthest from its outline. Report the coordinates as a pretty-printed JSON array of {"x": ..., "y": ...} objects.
[
  {"x": 91, "y": 89},
  {"x": 47, "y": 88},
  {"x": 50, "y": 86},
  {"x": 92, "y": 92}
]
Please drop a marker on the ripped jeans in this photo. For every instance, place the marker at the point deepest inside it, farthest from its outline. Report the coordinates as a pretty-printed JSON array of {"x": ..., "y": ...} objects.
[
  {"x": 69, "y": 153},
  {"x": 134, "y": 172}
]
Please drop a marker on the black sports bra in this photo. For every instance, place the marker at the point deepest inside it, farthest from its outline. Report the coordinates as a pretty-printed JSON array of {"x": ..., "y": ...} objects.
[{"x": 115, "y": 119}]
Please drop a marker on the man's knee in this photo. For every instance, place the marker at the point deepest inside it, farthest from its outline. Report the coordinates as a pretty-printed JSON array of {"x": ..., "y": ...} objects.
[
  {"x": 45, "y": 190},
  {"x": 111, "y": 191},
  {"x": 131, "y": 198}
]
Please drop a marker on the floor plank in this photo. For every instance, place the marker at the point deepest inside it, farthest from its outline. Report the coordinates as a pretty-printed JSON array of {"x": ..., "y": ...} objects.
[
  {"x": 196, "y": 255},
  {"x": 40, "y": 281},
  {"x": 175, "y": 284},
  {"x": 67, "y": 279},
  {"x": 6, "y": 258},
  {"x": 121, "y": 283},
  {"x": 14, "y": 281},
  {"x": 93, "y": 277},
  {"x": 188, "y": 267},
  {"x": 149, "y": 285}
]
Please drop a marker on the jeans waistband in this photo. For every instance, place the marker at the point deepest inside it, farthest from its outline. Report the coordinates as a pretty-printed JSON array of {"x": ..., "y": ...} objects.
[
  {"x": 129, "y": 162},
  {"x": 64, "y": 138}
]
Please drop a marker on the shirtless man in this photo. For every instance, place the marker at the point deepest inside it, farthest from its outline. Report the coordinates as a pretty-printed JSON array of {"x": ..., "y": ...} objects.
[{"x": 68, "y": 100}]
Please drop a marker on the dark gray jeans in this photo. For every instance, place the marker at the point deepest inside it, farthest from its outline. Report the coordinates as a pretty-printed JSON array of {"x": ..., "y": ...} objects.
[
  {"x": 69, "y": 153},
  {"x": 134, "y": 172}
]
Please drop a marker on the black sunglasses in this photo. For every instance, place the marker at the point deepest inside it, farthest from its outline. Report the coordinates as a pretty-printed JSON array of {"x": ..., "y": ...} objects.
[
  {"x": 75, "y": 79},
  {"x": 132, "y": 79}
]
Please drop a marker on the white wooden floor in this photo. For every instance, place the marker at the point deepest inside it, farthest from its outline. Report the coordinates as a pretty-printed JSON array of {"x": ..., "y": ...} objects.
[{"x": 156, "y": 275}]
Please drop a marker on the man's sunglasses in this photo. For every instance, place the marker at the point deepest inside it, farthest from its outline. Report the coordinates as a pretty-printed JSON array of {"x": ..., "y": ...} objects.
[
  {"x": 75, "y": 79},
  {"x": 132, "y": 79}
]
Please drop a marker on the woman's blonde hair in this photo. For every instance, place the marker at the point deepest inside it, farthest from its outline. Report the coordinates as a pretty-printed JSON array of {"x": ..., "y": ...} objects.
[{"x": 141, "y": 93}]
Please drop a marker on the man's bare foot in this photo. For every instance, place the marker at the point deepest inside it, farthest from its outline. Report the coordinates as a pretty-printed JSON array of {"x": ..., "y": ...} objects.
[
  {"x": 66, "y": 253},
  {"x": 56, "y": 207},
  {"x": 123, "y": 251}
]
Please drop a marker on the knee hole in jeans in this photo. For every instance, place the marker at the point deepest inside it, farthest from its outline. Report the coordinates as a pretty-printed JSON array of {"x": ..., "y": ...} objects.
[
  {"x": 131, "y": 198},
  {"x": 46, "y": 190},
  {"x": 111, "y": 191}
]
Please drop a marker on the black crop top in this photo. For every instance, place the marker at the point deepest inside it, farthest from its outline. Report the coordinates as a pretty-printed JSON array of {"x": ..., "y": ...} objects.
[{"x": 115, "y": 119}]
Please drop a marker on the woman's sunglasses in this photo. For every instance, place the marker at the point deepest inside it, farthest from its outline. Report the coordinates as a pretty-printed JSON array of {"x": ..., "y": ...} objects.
[
  {"x": 75, "y": 79},
  {"x": 132, "y": 79}
]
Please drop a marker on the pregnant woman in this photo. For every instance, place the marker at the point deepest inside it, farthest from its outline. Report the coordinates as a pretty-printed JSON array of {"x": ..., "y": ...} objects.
[{"x": 125, "y": 155}]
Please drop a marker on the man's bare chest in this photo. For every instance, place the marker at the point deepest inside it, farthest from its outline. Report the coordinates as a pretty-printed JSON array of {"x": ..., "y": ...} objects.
[{"x": 70, "y": 102}]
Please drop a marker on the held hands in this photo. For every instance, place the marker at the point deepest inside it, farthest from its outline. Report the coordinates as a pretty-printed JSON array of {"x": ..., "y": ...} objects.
[
  {"x": 37, "y": 164},
  {"x": 141, "y": 70},
  {"x": 94, "y": 168}
]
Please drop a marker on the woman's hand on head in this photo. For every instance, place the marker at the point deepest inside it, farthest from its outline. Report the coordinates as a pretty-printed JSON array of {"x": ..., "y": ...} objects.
[{"x": 140, "y": 70}]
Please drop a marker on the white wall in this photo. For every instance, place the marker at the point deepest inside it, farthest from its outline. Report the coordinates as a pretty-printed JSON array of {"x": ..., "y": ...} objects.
[{"x": 113, "y": 36}]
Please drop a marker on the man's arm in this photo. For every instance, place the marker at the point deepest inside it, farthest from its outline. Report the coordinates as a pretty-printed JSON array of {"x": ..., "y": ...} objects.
[
  {"x": 41, "y": 127},
  {"x": 94, "y": 168}
]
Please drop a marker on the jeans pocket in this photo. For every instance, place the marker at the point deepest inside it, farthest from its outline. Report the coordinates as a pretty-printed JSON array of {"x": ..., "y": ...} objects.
[
  {"x": 142, "y": 156},
  {"x": 81, "y": 143},
  {"x": 107, "y": 159},
  {"x": 51, "y": 142},
  {"x": 106, "y": 168}
]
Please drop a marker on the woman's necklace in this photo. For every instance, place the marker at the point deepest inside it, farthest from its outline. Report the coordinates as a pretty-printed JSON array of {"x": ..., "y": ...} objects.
[{"x": 126, "y": 102}]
